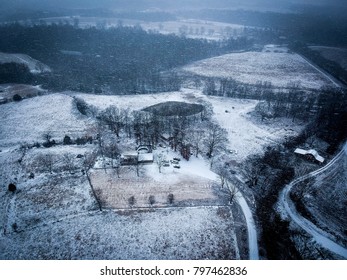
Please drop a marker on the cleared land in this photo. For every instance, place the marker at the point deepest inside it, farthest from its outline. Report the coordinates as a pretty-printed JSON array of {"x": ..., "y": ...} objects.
[{"x": 251, "y": 67}]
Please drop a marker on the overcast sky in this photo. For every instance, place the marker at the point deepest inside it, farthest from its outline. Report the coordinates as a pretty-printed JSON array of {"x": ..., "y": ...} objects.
[{"x": 169, "y": 4}]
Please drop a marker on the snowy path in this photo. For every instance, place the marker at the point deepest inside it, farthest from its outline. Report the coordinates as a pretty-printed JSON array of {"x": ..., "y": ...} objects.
[
  {"x": 202, "y": 169},
  {"x": 251, "y": 229},
  {"x": 319, "y": 235}
]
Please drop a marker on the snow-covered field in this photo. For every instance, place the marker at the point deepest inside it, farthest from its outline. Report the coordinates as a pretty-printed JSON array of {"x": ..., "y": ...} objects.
[
  {"x": 196, "y": 29},
  {"x": 34, "y": 65},
  {"x": 28, "y": 120},
  {"x": 279, "y": 68},
  {"x": 247, "y": 135},
  {"x": 160, "y": 234},
  {"x": 55, "y": 213}
]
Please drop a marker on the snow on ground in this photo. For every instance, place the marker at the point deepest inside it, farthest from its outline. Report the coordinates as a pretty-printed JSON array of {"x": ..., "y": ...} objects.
[
  {"x": 191, "y": 28},
  {"x": 246, "y": 135},
  {"x": 34, "y": 65},
  {"x": 279, "y": 68},
  {"x": 7, "y": 91},
  {"x": 196, "y": 29},
  {"x": 160, "y": 234},
  {"x": 327, "y": 187},
  {"x": 321, "y": 233},
  {"x": 28, "y": 120},
  {"x": 191, "y": 184},
  {"x": 133, "y": 102}
]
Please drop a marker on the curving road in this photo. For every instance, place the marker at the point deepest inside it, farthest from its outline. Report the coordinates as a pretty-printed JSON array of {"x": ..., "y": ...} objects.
[
  {"x": 251, "y": 228},
  {"x": 320, "y": 236}
]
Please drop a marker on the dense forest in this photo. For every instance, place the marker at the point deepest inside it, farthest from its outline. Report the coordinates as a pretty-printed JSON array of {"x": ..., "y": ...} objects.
[{"x": 124, "y": 60}]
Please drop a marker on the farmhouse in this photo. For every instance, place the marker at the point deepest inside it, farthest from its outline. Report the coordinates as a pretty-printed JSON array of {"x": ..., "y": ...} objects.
[
  {"x": 310, "y": 154},
  {"x": 166, "y": 137},
  {"x": 133, "y": 158},
  {"x": 129, "y": 158}
]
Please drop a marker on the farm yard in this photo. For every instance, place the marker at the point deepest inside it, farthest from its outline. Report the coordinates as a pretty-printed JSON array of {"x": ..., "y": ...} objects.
[{"x": 169, "y": 188}]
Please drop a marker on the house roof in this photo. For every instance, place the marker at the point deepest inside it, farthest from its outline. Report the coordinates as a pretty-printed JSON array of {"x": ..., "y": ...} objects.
[
  {"x": 312, "y": 152},
  {"x": 145, "y": 157},
  {"x": 129, "y": 154}
]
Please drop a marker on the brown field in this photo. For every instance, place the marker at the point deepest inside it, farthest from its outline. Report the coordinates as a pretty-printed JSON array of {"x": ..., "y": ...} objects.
[{"x": 188, "y": 190}]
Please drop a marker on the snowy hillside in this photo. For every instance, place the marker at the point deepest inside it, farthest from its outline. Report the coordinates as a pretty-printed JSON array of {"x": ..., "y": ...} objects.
[
  {"x": 34, "y": 65},
  {"x": 28, "y": 120}
]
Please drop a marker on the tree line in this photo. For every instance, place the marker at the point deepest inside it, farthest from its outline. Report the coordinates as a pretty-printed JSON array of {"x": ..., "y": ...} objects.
[{"x": 119, "y": 60}]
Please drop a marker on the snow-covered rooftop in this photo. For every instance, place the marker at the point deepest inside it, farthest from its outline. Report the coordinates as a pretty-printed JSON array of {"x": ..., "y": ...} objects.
[
  {"x": 312, "y": 152},
  {"x": 145, "y": 157}
]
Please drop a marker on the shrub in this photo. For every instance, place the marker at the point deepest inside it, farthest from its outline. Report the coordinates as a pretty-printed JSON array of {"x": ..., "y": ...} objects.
[
  {"x": 12, "y": 187},
  {"x": 170, "y": 198},
  {"x": 67, "y": 140},
  {"x": 131, "y": 200},
  {"x": 151, "y": 199},
  {"x": 17, "y": 97}
]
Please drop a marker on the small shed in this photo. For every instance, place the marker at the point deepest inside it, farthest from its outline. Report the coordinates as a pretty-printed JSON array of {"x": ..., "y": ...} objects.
[
  {"x": 129, "y": 158},
  {"x": 166, "y": 137},
  {"x": 310, "y": 154}
]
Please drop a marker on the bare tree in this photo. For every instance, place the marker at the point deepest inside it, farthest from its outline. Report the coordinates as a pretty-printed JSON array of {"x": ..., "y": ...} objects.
[
  {"x": 69, "y": 162},
  {"x": 47, "y": 136},
  {"x": 46, "y": 162},
  {"x": 132, "y": 201},
  {"x": 138, "y": 167},
  {"x": 89, "y": 160},
  {"x": 170, "y": 198},
  {"x": 23, "y": 151},
  {"x": 233, "y": 191},
  {"x": 223, "y": 174},
  {"x": 215, "y": 139},
  {"x": 113, "y": 117},
  {"x": 252, "y": 169},
  {"x": 195, "y": 137},
  {"x": 151, "y": 200},
  {"x": 160, "y": 161}
]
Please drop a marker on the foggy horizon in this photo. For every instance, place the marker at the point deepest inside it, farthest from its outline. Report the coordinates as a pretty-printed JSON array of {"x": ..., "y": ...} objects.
[{"x": 167, "y": 5}]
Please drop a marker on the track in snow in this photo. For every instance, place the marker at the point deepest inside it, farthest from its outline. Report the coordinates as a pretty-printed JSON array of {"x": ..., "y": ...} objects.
[{"x": 319, "y": 235}]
